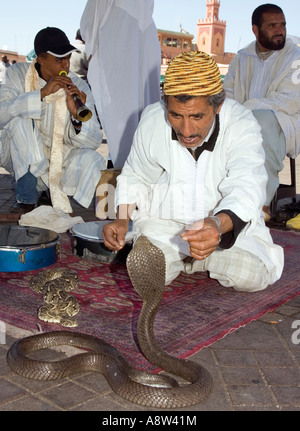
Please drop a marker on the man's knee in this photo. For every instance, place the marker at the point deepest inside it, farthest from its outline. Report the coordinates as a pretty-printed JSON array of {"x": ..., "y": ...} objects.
[
  {"x": 265, "y": 117},
  {"x": 272, "y": 133},
  {"x": 248, "y": 285},
  {"x": 16, "y": 123},
  {"x": 239, "y": 270},
  {"x": 18, "y": 133}
]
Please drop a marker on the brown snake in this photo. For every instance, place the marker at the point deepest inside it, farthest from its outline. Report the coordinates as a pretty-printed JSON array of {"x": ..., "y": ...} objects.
[
  {"x": 146, "y": 268},
  {"x": 55, "y": 285}
]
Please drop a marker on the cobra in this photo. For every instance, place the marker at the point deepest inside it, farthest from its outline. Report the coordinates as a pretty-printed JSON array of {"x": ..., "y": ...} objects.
[{"x": 146, "y": 268}]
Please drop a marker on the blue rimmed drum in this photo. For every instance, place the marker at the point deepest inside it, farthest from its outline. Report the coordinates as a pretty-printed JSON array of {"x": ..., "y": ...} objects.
[{"x": 27, "y": 248}]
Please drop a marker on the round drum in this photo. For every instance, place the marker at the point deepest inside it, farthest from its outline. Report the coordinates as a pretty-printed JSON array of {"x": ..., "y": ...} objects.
[
  {"x": 27, "y": 248},
  {"x": 88, "y": 242}
]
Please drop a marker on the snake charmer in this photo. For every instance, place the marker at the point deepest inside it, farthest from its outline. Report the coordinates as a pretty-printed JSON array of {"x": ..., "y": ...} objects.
[{"x": 195, "y": 182}]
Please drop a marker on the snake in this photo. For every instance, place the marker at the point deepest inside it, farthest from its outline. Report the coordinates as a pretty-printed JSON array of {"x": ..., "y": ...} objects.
[
  {"x": 146, "y": 267},
  {"x": 55, "y": 285}
]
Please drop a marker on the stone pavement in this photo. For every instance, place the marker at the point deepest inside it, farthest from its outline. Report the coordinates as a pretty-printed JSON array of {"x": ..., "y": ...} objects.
[{"x": 256, "y": 368}]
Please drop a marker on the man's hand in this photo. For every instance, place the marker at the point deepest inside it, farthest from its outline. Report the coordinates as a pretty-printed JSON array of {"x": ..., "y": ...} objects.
[
  {"x": 55, "y": 83},
  {"x": 114, "y": 234},
  {"x": 203, "y": 237}
]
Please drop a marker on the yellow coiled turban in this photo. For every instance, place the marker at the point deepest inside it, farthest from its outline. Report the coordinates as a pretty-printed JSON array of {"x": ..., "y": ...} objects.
[{"x": 193, "y": 73}]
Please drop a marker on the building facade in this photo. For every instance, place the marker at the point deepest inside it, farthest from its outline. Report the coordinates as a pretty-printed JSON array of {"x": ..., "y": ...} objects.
[
  {"x": 211, "y": 31},
  {"x": 210, "y": 38},
  {"x": 172, "y": 44},
  {"x": 211, "y": 34},
  {"x": 13, "y": 56}
]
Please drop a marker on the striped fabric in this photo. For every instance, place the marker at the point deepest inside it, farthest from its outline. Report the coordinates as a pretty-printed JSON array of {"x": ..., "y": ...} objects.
[{"x": 22, "y": 144}]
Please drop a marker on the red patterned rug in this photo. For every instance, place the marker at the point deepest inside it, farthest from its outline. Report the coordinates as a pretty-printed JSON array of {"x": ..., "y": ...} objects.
[{"x": 196, "y": 311}]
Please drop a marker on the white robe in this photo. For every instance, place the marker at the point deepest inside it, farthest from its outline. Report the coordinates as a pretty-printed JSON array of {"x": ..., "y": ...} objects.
[
  {"x": 124, "y": 72},
  {"x": 272, "y": 84},
  {"x": 23, "y": 146},
  {"x": 171, "y": 190}
]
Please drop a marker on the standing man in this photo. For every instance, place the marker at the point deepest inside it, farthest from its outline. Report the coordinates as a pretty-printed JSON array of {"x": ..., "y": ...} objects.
[
  {"x": 43, "y": 142},
  {"x": 79, "y": 61},
  {"x": 263, "y": 77},
  {"x": 124, "y": 72},
  {"x": 194, "y": 182},
  {"x": 4, "y": 64}
]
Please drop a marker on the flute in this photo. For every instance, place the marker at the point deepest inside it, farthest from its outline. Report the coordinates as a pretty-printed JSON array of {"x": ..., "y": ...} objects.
[{"x": 83, "y": 112}]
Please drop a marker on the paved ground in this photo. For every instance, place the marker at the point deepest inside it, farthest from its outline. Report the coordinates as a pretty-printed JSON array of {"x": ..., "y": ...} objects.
[{"x": 254, "y": 368}]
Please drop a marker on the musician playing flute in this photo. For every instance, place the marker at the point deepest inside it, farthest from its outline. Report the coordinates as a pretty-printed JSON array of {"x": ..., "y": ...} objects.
[{"x": 43, "y": 142}]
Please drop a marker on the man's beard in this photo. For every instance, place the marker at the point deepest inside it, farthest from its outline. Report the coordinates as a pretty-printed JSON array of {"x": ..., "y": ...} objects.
[{"x": 269, "y": 43}]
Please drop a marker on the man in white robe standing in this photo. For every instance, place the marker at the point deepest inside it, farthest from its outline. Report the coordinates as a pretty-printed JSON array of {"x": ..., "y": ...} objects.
[
  {"x": 263, "y": 77},
  {"x": 124, "y": 71}
]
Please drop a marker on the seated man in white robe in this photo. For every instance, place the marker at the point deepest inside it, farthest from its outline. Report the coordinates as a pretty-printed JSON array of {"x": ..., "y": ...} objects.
[
  {"x": 263, "y": 77},
  {"x": 195, "y": 182},
  {"x": 43, "y": 142}
]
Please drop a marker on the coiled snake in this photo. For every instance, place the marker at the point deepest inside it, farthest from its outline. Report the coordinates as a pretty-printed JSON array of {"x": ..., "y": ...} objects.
[
  {"x": 146, "y": 268},
  {"x": 55, "y": 285}
]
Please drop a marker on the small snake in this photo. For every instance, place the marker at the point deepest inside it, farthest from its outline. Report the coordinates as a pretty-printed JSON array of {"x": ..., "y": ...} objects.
[
  {"x": 55, "y": 285},
  {"x": 146, "y": 268}
]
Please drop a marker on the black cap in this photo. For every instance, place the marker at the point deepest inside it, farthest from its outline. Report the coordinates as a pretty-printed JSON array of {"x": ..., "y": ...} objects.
[{"x": 53, "y": 41}]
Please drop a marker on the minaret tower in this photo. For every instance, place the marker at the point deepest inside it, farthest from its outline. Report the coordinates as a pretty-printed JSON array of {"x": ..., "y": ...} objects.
[{"x": 211, "y": 30}]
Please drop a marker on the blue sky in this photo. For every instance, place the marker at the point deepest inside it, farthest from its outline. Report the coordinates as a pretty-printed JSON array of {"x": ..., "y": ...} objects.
[{"x": 22, "y": 19}]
